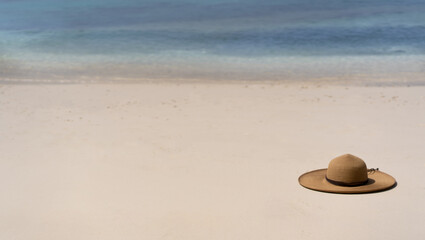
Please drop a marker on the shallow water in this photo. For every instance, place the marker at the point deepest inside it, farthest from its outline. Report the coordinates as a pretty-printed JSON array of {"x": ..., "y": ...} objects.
[{"x": 116, "y": 40}]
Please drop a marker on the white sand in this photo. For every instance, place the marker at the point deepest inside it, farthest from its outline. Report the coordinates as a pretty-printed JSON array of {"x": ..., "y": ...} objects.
[{"x": 205, "y": 161}]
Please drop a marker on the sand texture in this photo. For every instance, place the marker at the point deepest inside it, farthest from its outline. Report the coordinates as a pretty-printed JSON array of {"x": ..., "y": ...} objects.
[{"x": 205, "y": 161}]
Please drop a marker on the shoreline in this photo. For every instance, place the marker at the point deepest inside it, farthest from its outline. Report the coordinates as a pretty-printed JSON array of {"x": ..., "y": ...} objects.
[
  {"x": 329, "y": 82},
  {"x": 326, "y": 70}
]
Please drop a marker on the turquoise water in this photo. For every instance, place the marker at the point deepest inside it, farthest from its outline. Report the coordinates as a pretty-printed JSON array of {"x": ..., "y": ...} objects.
[{"x": 128, "y": 40}]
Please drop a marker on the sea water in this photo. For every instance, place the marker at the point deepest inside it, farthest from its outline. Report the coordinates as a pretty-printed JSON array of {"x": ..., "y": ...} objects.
[{"x": 139, "y": 40}]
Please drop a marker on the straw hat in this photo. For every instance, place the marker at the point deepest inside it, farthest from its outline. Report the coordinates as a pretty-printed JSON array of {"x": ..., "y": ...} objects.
[{"x": 347, "y": 174}]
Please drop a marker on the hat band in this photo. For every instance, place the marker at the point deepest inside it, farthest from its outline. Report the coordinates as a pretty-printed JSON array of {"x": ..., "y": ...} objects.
[{"x": 343, "y": 184}]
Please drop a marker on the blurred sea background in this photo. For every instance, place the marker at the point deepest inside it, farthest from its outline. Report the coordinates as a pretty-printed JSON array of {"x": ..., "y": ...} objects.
[{"x": 358, "y": 41}]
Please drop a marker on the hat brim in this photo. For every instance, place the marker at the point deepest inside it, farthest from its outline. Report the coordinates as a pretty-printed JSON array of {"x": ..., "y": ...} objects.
[{"x": 316, "y": 180}]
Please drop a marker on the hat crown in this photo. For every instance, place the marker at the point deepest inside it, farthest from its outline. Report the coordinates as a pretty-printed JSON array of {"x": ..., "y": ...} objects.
[{"x": 347, "y": 170}]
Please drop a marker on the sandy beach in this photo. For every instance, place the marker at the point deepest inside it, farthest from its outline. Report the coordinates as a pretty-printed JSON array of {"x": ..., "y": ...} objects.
[{"x": 205, "y": 161}]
